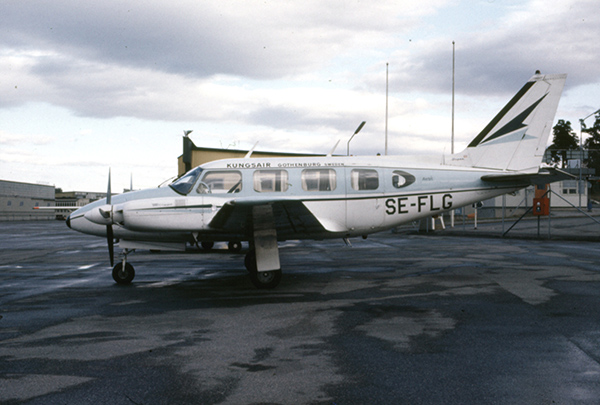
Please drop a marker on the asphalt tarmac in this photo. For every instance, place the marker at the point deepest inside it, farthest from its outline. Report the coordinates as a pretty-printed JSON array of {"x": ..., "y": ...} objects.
[{"x": 398, "y": 318}]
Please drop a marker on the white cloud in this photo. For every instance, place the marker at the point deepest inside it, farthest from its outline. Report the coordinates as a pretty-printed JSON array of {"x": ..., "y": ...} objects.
[
  {"x": 555, "y": 37},
  {"x": 295, "y": 75}
]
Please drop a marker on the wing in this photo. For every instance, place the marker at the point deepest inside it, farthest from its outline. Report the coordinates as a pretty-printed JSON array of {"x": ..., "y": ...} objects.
[{"x": 291, "y": 218}]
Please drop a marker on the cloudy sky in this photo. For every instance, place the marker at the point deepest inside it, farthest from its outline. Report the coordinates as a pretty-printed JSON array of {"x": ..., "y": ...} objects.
[{"x": 85, "y": 86}]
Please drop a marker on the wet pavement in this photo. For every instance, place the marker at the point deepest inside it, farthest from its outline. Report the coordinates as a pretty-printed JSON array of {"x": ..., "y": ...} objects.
[
  {"x": 565, "y": 224},
  {"x": 397, "y": 318}
]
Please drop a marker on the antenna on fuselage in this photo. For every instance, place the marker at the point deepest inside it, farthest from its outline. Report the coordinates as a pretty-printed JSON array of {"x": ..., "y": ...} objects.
[
  {"x": 250, "y": 151},
  {"x": 333, "y": 149}
]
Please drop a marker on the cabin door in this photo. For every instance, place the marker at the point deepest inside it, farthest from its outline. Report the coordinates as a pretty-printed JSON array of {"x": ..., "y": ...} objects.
[{"x": 364, "y": 207}]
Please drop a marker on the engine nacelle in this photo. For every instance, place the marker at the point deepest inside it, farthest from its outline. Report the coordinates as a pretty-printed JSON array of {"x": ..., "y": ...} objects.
[{"x": 105, "y": 215}]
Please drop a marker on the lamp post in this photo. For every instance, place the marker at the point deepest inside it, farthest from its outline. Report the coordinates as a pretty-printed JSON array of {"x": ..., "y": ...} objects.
[
  {"x": 581, "y": 126},
  {"x": 362, "y": 124},
  {"x": 452, "y": 142},
  {"x": 386, "y": 106}
]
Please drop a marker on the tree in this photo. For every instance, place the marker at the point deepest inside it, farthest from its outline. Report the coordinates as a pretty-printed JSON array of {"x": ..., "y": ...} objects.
[
  {"x": 592, "y": 144},
  {"x": 564, "y": 139}
]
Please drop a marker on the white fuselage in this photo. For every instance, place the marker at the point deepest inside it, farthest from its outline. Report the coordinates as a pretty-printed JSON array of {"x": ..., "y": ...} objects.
[{"x": 348, "y": 196}]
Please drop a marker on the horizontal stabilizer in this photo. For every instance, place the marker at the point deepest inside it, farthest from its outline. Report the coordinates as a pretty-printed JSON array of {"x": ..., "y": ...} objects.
[{"x": 544, "y": 176}]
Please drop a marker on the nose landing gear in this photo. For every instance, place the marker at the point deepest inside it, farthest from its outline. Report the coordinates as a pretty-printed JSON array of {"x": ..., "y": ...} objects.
[{"x": 123, "y": 272}]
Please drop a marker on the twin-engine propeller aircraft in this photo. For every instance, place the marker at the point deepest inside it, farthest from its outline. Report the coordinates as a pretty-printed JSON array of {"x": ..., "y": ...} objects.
[{"x": 264, "y": 201}]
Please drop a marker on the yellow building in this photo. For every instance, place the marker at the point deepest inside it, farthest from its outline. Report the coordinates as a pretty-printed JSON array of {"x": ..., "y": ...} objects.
[{"x": 194, "y": 156}]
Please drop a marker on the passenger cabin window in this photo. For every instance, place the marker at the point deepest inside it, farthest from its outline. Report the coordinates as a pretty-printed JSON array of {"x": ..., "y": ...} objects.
[
  {"x": 220, "y": 182},
  {"x": 266, "y": 181},
  {"x": 318, "y": 180},
  {"x": 364, "y": 179}
]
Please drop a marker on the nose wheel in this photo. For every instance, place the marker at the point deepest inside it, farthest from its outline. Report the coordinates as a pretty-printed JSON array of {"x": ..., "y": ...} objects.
[
  {"x": 123, "y": 275},
  {"x": 123, "y": 272}
]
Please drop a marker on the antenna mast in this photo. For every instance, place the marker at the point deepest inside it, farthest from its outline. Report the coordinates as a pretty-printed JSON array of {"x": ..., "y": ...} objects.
[
  {"x": 386, "y": 107},
  {"x": 452, "y": 143}
]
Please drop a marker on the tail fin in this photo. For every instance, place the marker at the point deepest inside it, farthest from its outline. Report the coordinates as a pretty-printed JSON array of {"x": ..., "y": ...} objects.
[{"x": 515, "y": 140}]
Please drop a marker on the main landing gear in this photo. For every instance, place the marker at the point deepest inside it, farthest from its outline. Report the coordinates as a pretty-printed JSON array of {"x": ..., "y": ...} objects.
[
  {"x": 263, "y": 280},
  {"x": 123, "y": 272}
]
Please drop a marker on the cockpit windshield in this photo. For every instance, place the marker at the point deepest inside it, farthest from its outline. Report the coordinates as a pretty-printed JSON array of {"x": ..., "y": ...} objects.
[{"x": 185, "y": 183}]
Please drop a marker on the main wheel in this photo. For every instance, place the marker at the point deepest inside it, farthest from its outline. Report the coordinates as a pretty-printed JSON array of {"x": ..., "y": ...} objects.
[
  {"x": 207, "y": 245},
  {"x": 123, "y": 276},
  {"x": 263, "y": 280},
  {"x": 250, "y": 261}
]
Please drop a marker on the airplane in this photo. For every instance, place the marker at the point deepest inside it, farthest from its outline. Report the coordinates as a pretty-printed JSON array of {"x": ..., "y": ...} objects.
[{"x": 267, "y": 200}]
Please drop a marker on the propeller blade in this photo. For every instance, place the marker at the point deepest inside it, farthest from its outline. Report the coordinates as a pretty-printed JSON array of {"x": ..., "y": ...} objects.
[
  {"x": 109, "y": 229},
  {"x": 111, "y": 244},
  {"x": 108, "y": 193}
]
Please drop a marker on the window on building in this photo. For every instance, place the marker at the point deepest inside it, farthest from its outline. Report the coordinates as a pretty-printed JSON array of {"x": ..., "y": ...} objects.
[
  {"x": 220, "y": 182},
  {"x": 266, "y": 181},
  {"x": 319, "y": 180},
  {"x": 9, "y": 203},
  {"x": 364, "y": 179},
  {"x": 569, "y": 187}
]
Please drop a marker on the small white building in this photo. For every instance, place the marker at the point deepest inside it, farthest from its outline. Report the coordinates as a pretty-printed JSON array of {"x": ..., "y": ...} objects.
[{"x": 564, "y": 194}]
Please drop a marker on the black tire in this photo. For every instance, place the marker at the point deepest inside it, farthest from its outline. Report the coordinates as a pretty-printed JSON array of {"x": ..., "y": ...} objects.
[
  {"x": 250, "y": 261},
  {"x": 207, "y": 245},
  {"x": 121, "y": 276},
  {"x": 235, "y": 246},
  {"x": 265, "y": 280}
]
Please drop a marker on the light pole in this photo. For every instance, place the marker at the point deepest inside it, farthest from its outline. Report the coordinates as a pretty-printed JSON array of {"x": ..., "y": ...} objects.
[
  {"x": 452, "y": 142},
  {"x": 386, "y": 106},
  {"x": 362, "y": 124},
  {"x": 581, "y": 126}
]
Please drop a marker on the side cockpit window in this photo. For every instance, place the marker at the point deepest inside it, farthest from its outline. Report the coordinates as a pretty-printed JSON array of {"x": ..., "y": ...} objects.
[
  {"x": 267, "y": 181},
  {"x": 184, "y": 184},
  {"x": 220, "y": 182}
]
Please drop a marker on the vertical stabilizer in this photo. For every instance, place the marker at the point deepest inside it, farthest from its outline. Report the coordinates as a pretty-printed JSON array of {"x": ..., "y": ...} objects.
[{"x": 516, "y": 139}]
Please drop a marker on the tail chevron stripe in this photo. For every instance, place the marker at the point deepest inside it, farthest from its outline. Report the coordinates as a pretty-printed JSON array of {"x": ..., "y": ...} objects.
[
  {"x": 501, "y": 114},
  {"x": 516, "y": 138},
  {"x": 515, "y": 124}
]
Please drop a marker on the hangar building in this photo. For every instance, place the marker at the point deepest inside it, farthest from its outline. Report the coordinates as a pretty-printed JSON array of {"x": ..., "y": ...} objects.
[{"x": 17, "y": 201}]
